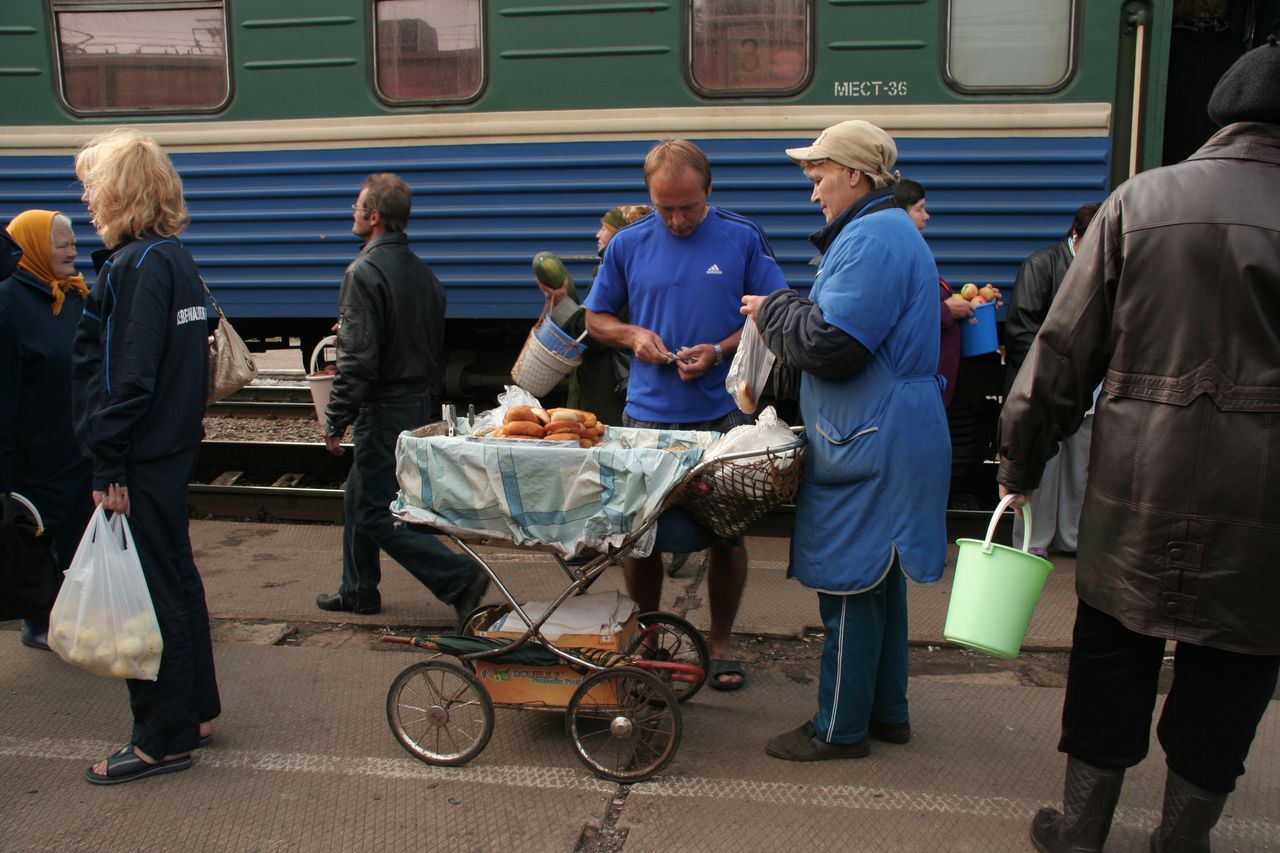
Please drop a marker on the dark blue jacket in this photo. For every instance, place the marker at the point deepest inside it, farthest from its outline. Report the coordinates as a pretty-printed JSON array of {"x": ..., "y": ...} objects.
[
  {"x": 10, "y": 254},
  {"x": 141, "y": 361},
  {"x": 39, "y": 455}
]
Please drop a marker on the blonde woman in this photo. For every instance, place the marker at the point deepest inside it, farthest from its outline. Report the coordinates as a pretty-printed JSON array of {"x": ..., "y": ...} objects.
[{"x": 141, "y": 373}]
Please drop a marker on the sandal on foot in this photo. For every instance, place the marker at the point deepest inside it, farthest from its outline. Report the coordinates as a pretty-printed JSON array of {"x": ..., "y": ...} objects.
[
  {"x": 125, "y": 766},
  {"x": 721, "y": 668}
]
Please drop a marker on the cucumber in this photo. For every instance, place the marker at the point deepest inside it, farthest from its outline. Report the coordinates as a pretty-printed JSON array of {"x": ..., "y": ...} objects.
[{"x": 549, "y": 269}]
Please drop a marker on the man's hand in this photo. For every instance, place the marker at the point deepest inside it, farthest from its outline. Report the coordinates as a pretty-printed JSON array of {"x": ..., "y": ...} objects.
[
  {"x": 114, "y": 499},
  {"x": 693, "y": 362},
  {"x": 960, "y": 307},
  {"x": 333, "y": 443},
  {"x": 1020, "y": 499},
  {"x": 648, "y": 347},
  {"x": 751, "y": 306}
]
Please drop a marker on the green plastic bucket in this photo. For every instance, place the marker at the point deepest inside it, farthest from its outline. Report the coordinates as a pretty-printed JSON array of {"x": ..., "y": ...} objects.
[{"x": 995, "y": 591}]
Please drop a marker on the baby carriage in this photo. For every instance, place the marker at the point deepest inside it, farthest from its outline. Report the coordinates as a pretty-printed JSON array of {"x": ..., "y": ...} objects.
[{"x": 621, "y": 680}]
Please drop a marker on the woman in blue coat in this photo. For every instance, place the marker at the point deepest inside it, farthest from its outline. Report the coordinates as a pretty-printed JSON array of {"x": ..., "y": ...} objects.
[
  {"x": 40, "y": 305},
  {"x": 871, "y": 510}
]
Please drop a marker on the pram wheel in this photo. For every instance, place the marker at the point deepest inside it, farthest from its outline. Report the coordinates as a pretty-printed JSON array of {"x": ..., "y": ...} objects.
[
  {"x": 625, "y": 724},
  {"x": 440, "y": 713},
  {"x": 667, "y": 637}
]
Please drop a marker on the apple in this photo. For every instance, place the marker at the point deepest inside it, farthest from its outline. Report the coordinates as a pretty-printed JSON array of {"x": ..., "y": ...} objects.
[
  {"x": 979, "y": 300},
  {"x": 122, "y": 668},
  {"x": 130, "y": 647},
  {"x": 969, "y": 291},
  {"x": 988, "y": 292}
]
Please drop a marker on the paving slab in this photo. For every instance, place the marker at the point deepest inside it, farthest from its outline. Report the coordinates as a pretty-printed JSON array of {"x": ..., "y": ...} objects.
[{"x": 303, "y": 760}]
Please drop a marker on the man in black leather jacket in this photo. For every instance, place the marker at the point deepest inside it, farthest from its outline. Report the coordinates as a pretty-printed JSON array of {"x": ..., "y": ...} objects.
[{"x": 390, "y": 337}]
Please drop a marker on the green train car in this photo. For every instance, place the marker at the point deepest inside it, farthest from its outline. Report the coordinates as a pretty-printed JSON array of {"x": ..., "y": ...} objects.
[{"x": 518, "y": 122}]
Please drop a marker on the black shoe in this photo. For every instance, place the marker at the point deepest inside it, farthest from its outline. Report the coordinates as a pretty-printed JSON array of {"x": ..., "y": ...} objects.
[
  {"x": 802, "y": 744},
  {"x": 469, "y": 599},
  {"x": 890, "y": 732},
  {"x": 336, "y": 602},
  {"x": 34, "y": 638}
]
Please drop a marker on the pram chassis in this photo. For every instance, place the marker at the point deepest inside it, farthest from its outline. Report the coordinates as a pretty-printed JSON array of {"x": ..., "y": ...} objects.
[{"x": 640, "y": 728}]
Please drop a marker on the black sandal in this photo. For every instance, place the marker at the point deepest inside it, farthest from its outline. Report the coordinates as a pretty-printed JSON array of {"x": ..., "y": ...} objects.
[{"x": 124, "y": 765}]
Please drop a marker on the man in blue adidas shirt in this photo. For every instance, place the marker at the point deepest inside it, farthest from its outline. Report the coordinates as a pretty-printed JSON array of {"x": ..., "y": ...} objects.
[{"x": 682, "y": 272}]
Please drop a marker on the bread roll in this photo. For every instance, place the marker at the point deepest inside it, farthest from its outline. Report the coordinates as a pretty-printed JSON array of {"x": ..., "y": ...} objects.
[
  {"x": 516, "y": 429},
  {"x": 564, "y": 415},
  {"x": 521, "y": 413},
  {"x": 744, "y": 398},
  {"x": 543, "y": 416},
  {"x": 586, "y": 443},
  {"x": 556, "y": 427},
  {"x": 563, "y": 436}
]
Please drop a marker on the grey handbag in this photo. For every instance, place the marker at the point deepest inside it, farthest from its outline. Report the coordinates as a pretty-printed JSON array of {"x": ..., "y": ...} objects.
[{"x": 231, "y": 365}]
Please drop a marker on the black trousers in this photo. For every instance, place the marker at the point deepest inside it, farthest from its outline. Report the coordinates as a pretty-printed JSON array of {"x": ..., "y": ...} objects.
[
  {"x": 367, "y": 521},
  {"x": 1209, "y": 719},
  {"x": 167, "y": 712}
]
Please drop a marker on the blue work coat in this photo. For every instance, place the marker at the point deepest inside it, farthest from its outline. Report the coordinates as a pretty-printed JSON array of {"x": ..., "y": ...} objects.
[{"x": 878, "y": 468}]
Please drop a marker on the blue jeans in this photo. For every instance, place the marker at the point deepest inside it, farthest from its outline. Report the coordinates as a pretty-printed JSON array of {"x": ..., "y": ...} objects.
[
  {"x": 368, "y": 525},
  {"x": 864, "y": 660},
  {"x": 678, "y": 532}
]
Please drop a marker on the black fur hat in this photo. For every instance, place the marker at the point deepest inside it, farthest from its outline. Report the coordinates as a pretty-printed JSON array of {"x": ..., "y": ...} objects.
[{"x": 1250, "y": 90}]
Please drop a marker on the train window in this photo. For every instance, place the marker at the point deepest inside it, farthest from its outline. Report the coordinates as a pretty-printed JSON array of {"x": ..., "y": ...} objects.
[
  {"x": 428, "y": 50},
  {"x": 750, "y": 47},
  {"x": 1010, "y": 45},
  {"x": 142, "y": 56}
]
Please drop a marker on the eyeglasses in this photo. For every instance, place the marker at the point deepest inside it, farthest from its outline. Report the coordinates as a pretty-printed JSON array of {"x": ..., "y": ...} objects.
[{"x": 355, "y": 207}]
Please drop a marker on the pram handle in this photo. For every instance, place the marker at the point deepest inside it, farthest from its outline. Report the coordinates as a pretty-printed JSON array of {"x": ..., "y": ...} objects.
[{"x": 31, "y": 508}]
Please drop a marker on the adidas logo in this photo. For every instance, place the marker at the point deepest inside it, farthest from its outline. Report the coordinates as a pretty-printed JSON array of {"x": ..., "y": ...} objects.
[{"x": 714, "y": 269}]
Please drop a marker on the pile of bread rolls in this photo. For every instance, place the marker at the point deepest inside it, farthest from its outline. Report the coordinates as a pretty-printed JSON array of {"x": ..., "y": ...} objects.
[{"x": 551, "y": 425}]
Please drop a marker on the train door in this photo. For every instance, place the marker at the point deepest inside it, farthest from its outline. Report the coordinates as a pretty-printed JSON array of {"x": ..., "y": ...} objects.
[{"x": 1175, "y": 53}]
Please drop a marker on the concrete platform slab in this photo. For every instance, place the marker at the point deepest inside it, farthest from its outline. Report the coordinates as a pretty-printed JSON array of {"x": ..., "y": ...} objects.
[{"x": 303, "y": 760}]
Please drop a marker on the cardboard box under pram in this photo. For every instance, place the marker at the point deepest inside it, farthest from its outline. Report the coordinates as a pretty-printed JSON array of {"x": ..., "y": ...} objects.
[{"x": 549, "y": 686}]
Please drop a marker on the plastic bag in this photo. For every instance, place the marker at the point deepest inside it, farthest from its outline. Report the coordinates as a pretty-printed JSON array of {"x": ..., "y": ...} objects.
[
  {"x": 491, "y": 419},
  {"x": 103, "y": 619},
  {"x": 750, "y": 369}
]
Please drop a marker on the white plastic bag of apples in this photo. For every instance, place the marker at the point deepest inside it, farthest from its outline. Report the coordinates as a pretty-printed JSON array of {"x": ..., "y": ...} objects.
[{"x": 103, "y": 619}]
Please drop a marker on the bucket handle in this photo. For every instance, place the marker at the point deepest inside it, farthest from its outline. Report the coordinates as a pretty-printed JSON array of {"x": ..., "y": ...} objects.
[
  {"x": 315, "y": 353},
  {"x": 995, "y": 520},
  {"x": 31, "y": 508}
]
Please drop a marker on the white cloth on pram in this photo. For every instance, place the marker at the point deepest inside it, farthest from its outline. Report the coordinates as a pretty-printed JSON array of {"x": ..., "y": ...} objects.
[
  {"x": 541, "y": 492},
  {"x": 599, "y": 614}
]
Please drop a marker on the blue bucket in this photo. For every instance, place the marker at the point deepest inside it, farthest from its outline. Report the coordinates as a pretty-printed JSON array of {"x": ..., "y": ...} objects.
[
  {"x": 978, "y": 332},
  {"x": 556, "y": 339}
]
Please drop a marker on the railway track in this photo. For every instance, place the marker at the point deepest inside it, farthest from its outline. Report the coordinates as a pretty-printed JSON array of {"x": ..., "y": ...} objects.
[
  {"x": 302, "y": 481},
  {"x": 292, "y": 402}
]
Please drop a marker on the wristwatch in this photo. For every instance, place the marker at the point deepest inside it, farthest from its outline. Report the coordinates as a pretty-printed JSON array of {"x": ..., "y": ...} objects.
[{"x": 719, "y": 353}]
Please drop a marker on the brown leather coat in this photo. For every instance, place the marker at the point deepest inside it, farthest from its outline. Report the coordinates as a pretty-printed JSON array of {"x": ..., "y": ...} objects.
[{"x": 1174, "y": 302}]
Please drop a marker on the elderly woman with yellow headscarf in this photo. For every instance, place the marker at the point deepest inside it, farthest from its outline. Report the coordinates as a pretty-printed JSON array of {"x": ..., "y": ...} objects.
[{"x": 40, "y": 306}]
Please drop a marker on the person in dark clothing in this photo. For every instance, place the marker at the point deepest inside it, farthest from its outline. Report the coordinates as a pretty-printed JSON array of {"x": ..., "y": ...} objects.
[
  {"x": 390, "y": 335},
  {"x": 1171, "y": 305},
  {"x": 599, "y": 384},
  {"x": 140, "y": 375},
  {"x": 910, "y": 196},
  {"x": 1038, "y": 280},
  {"x": 10, "y": 254},
  {"x": 40, "y": 458},
  {"x": 1055, "y": 507}
]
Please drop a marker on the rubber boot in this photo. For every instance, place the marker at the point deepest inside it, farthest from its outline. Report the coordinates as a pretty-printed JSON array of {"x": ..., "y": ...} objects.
[
  {"x": 1089, "y": 798},
  {"x": 1190, "y": 812}
]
